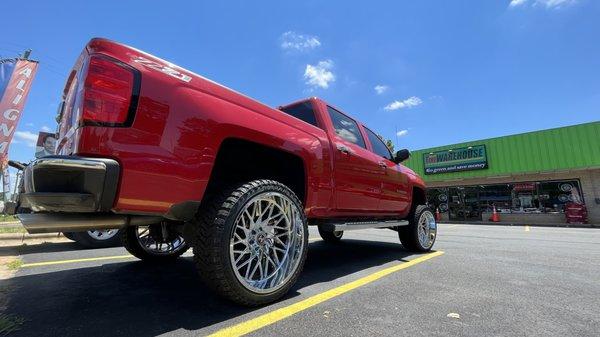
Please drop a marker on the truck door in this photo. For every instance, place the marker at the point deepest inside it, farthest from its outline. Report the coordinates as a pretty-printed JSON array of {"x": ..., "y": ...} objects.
[
  {"x": 357, "y": 174},
  {"x": 395, "y": 193}
]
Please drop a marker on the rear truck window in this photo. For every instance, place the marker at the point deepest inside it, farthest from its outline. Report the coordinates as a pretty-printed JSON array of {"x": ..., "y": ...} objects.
[{"x": 303, "y": 111}]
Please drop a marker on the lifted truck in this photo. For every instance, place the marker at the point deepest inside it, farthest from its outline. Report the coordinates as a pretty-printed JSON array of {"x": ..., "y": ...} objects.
[{"x": 179, "y": 161}]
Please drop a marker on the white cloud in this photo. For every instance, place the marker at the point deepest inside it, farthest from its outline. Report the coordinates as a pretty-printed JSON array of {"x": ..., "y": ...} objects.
[
  {"x": 407, "y": 103},
  {"x": 555, "y": 3},
  {"x": 347, "y": 135},
  {"x": 46, "y": 128},
  {"x": 29, "y": 138},
  {"x": 380, "y": 89},
  {"x": 29, "y": 124},
  {"x": 294, "y": 41},
  {"x": 402, "y": 133},
  {"x": 550, "y": 4},
  {"x": 319, "y": 75},
  {"x": 515, "y": 3}
]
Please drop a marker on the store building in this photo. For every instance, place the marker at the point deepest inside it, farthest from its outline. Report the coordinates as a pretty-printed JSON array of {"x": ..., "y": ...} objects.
[{"x": 542, "y": 177}]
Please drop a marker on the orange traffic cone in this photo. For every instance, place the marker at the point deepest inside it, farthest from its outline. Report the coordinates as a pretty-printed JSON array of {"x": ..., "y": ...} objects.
[
  {"x": 495, "y": 216},
  {"x": 438, "y": 216}
]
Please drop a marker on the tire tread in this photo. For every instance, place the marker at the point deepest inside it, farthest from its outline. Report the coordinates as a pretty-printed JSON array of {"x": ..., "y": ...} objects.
[
  {"x": 210, "y": 236},
  {"x": 409, "y": 235},
  {"x": 133, "y": 246}
]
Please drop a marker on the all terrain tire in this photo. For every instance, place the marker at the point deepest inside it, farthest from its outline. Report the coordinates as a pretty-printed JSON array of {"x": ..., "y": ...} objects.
[
  {"x": 330, "y": 236},
  {"x": 247, "y": 227},
  {"x": 420, "y": 234},
  {"x": 153, "y": 243},
  {"x": 96, "y": 238}
]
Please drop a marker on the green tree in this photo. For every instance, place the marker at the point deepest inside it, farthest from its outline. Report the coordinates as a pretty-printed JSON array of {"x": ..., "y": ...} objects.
[{"x": 390, "y": 145}]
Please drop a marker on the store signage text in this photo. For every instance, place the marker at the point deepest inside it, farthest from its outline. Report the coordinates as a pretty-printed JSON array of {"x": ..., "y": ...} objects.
[{"x": 453, "y": 160}]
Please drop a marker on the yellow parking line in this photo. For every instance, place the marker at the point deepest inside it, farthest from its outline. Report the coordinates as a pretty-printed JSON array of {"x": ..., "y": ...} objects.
[
  {"x": 49, "y": 263},
  {"x": 279, "y": 314},
  {"x": 91, "y": 259},
  {"x": 527, "y": 228}
]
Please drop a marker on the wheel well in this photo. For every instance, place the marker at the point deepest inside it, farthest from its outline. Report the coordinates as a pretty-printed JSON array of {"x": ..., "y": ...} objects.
[
  {"x": 418, "y": 198},
  {"x": 241, "y": 161}
]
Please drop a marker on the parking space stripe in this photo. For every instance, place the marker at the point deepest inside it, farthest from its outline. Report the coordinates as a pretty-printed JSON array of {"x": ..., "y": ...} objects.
[
  {"x": 92, "y": 259},
  {"x": 527, "y": 228},
  {"x": 101, "y": 258},
  {"x": 282, "y": 313}
]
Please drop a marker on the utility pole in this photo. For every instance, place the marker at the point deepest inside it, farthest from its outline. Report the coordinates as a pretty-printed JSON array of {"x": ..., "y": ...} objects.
[{"x": 26, "y": 54}]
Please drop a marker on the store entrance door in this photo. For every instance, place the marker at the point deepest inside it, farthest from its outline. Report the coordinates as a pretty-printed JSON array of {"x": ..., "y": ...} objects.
[{"x": 463, "y": 204}]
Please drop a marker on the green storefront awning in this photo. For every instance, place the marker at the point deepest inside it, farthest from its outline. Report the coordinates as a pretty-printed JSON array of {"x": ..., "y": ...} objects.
[{"x": 566, "y": 148}]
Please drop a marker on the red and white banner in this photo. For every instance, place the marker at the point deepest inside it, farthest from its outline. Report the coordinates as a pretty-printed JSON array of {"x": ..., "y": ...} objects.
[{"x": 13, "y": 101}]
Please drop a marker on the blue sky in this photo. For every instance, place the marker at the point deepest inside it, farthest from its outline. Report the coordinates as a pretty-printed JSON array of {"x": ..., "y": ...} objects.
[{"x": 435, "y": 72}]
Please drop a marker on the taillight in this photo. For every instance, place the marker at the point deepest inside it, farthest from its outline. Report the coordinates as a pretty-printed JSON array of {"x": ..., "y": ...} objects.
[{"x": 108, "y": 92}]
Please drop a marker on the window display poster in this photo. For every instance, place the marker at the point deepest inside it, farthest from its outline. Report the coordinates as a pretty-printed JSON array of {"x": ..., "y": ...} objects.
[{"x": 46, "y": 144}]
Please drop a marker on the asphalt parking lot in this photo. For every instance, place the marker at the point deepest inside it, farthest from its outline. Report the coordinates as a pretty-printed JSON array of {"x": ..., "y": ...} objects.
[{"x": 481, "y": 281}]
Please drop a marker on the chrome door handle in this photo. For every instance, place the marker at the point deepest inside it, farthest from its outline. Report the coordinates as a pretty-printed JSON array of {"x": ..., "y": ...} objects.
[
  {"x": 382, "y": 164},
  {"x": 343, "y": 149}
]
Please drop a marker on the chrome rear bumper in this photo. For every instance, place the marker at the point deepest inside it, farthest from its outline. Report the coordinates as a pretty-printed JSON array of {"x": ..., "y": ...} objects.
[{"x": 70, "y": 184}]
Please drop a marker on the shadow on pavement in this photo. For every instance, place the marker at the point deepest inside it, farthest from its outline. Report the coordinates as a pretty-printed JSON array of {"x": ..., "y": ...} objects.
[
  {"x": 44, "y": 247},
  {"x": 137, "y": 299}
]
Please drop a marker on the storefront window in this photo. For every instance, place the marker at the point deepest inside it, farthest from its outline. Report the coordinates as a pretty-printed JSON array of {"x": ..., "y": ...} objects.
[
  {"x": 527, "y": 197},
  {"x": 554, "y": 195},
  {"x": 463, "y": 203},
  {"x": 495, "y": 195},
  {"x": 437, "y": 198},
  {"x": 523, "y": 196}
]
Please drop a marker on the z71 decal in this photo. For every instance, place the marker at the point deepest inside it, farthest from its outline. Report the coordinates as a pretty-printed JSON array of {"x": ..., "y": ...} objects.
[{"x": 162, "y": 68}]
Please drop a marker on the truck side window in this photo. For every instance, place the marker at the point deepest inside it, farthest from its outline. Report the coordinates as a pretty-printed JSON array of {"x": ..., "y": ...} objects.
[
  {"x": 378, "y": 146},
  {"x": 345, "y": 127},
  {"x": 302, "y": 111}
]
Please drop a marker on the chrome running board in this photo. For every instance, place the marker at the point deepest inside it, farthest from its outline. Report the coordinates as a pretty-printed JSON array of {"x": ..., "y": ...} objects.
[{"x": 354, "y": 225}]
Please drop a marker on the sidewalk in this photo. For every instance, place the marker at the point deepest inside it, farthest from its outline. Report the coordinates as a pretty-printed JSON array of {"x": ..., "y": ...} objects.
[
  {"x": 14, "y": 239},
  {"x": 12, "y": 232},
  {"x": 26, "y": 236},
  {"x": 502, "y": 223}
]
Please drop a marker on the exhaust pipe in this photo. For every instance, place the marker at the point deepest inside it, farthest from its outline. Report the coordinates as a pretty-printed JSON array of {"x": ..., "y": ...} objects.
[{"x": 55, "y": 222}]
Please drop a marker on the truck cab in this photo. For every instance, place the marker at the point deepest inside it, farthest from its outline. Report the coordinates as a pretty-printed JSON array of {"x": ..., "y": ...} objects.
[{"x": 369, "y": 179}]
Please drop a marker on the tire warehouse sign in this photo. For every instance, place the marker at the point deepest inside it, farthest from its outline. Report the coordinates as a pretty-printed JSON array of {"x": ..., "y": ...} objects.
[{"x": 454, "y": 160}]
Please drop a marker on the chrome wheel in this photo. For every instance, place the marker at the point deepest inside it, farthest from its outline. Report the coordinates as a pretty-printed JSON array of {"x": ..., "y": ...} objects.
[
  {"x": 267, "y": 242},
  {"x": 102, "y": 234},
  {"x": 426, "y": 229},
  {"x": 160, "y": 239}
]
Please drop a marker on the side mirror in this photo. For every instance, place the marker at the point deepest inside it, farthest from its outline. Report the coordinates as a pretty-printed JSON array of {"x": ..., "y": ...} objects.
[{"x": 401, "y": 156}]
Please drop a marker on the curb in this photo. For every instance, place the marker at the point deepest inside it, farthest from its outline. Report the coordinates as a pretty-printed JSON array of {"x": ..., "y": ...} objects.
[
  {"x": 551, "y": 225},
  {"x": 26, "y": 236},
  {"x": 8, "y": 223}
]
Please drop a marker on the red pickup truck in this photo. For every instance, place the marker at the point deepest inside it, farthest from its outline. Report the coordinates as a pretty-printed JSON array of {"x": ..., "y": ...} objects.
[{"x": 180, "y": 161}]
